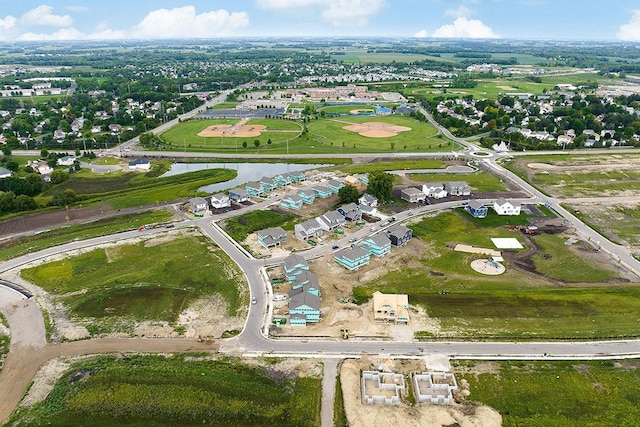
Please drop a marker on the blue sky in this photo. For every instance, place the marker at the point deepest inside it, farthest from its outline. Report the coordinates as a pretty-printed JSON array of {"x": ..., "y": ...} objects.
[{"x": 158, "y": 19}]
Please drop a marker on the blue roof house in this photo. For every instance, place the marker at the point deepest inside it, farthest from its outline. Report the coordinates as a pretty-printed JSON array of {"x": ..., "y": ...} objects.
[
  {"x": 298, "y": 176},
  {"x": 291, "y": 202},
  {"x": 378, "y": 245},
  {"x": 283, "y": 179},
  {"x": 335, "y": 185},
  {"x": 352, "y": 258},
  {"x": 476, "y": 209},
  {"x": 303, "y": 307},
  {"x": 322, "y": 191},
  {"x": 293, "y": 266}
]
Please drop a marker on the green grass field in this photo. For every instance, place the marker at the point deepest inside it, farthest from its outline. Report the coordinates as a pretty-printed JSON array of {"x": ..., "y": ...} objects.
[
  {"x": 379, "y": 165},
  {"x": 23, "y": 245},
  {"x": 130, "y": 189},
  {"x": 177, "y": 390},
  {"x": 514, "y": 304},
  {"x": 141, "y": 281},
  {"x": 346, "y": 109},
  {"x": 184, "y": 136},
  {"x": 480, "y": 182},
  {"x": 567, "y": 394},
  {"x": 241, "y": 226}
]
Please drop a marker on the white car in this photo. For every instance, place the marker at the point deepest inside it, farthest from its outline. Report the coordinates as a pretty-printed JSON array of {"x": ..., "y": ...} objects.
[{"x": 254, "y": 300}]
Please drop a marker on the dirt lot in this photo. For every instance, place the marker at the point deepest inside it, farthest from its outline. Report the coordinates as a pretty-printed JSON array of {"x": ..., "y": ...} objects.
[
  {"x": 461, "y": 413},
  {"x": 337, "y": 309}
]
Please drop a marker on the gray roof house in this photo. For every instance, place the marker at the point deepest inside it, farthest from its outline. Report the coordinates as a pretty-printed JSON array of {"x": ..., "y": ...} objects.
[
  {"x": 331, "y": 220},
  {"x": 5, "y": 173},
  {"x": 399, "y": 235},
  {"x": 369, "y": 200},
  {"x": 307, "y": 229},
  {"x": 270, "y": 237},
  {"x": 197, "y": 205},
  {"x": 412, "y": 195},
  {"x": 351, "y": 212},
  {"x": 457, "y": 188}
]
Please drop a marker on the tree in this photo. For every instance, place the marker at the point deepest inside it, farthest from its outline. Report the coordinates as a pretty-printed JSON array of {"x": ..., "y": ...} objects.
[
  {"x": 6, "y": 151},
  {"x": 269, "y": 141},
  {"x": 348, "y": 194},
  {"x": 380, "y": 185},
  {"x": 12, "y": 165},
  {"x": 58, "y": 176},
  {"x": 256, "y": 143},
  {"x": 244, "y": 144},
  {"x": 44, "y": 154}
]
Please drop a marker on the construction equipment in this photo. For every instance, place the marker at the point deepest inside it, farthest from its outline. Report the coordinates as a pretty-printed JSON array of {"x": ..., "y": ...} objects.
[{"x": 345, "y": 333}]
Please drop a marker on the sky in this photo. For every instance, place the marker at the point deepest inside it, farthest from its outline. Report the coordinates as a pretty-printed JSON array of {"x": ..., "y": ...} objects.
[{"x": 31, "y": 20}]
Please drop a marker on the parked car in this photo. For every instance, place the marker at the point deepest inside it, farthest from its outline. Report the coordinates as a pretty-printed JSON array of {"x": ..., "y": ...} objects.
[
  {"x": 335, "y": 247},
  {"x": 254, "y": 300},
  {"x": 353, "y": 239}
]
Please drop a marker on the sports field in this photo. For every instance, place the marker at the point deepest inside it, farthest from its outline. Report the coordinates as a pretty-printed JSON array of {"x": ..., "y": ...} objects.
[{"x": 346, "y": 134}]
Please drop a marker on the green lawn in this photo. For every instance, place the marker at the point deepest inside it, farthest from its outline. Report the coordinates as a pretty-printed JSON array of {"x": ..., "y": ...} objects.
[
  {"x": 480, "y": 182},
  {"x": 567, "y": 394},
  {"x": 514, "y": 304},
  {"x": 23, "y": 245},
  {"x": 177, "y": 390},
  {"x": 379, "y": 165},
  {"x": 224, "y": 106},
  {"x": 241, "y": 226},
  {"x": 130, "y": 189},
  {"x": 346, "y": 109},
  {"x": 140, "y": 281}
]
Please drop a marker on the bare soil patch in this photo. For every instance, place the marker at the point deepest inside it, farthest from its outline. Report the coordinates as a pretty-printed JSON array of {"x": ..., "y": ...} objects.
[
  {"x": 376, "y": 129},
  {"x": 404, "y": 414}
]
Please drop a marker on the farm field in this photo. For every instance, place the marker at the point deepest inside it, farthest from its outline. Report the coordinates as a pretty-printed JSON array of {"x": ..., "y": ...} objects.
[
  {"x": 176, "y": 390},
  {"x": 568, "y": 394},
  {"x": 22, "y": 245},
  {"x": 541, "y": 294},
  {"x": 142, "y": 281}
]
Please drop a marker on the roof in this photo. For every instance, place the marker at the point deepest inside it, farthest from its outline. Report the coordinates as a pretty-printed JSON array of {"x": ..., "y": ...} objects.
[
  {"x": 502, "y": 201},
  {"x": 322, "y": 189},
  {"x": 368, "y": 198},
  {"x": 332, "y": 217},
  {"x": 253, "y": 184},
  {"x": 474, "y": 204},
  {"x": 304, "y": 298},
  {"x": 220, "y": 196},
  {"x": 334, "y": 183},
  {"x": 398, "y": 230},
  {"x": 352, "y": 253},
  {"x": 306, "y": 276},
  {"x": 412, "y": 190},
  {"x": 349, "y": 207},
  {"x": 239, "y": 191},
  {"x": 293, "y": 260},
  {"x": 5, "y": 171},
  {"x": 458, "y": 184},
  {"x": 309, "y": 224},
  {"x": 306, "y": 193},
  {"x": 267, "y": 180},
  {"x": 271, "y": 232},
  {"x": 292, "y": 197},
  {"x": 433, "y": 185},
  {"x": 198, "y": 201},
  {"x": 139, "y": 162},
  {"x": 379, "y": 239}
]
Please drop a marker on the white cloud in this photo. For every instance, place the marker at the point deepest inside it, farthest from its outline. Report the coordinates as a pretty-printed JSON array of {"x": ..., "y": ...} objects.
[
  {"x": 61, "y": 34},
  {"x": 7, "y": 23},
  {"x": 106, "y": 34},
  {"x": 351, "y": 13},
  {"x": 184, "y": 22},
  {"x": 631, "y": 30},
  {"x": 421, "y": 34},
  {"x": 466, "y": 28},
  {"x": 460, "y": 12},
  {"x": 338, "y": 13},
  {"x": 43, "y": 16}
]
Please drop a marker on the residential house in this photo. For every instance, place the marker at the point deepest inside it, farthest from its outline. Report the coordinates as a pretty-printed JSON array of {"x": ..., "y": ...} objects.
[
  {"x": 298, "y": 176},
  {"x": 353, "y": 181},
  {"x": 198, "y": 205},
  {"x": 366, "y": 209},
  {"x": 304, "y": 307},
  {"x": 476, "y": 209},
  {"x": 308, "y": 229},
  {"x": 412, "y": 195},
  {"x": 399, "y": 235},
  {"x": 293, "y": 265},
  {"x": 308, "y": 281},
  {"x": 307, "y": 196},
  {"x": 352, "y": 258},
  {"x": 42, "y": 167},
  {"x": 378, "y": 245},
  {"x": 66, "y": 160},
  {"x": 254, "y": 189},
  {"x": 267, "y": 184},
  {"x": 308, "y": 287},
  {"x": 364, "y": 178},
  {"x": 369, "y": 200},
  {"x": 457, "y": 188},
  {"x": 351, "y": 212},
  {"x": 238, "y": 195},
  {"x": 322, "y": 191},
  {"x": 140, "y": 164},
  {"x": 335, "y": 185},
  {"x": 5, "y": 173},
  {"x": 283, "y": 179},
  {"x": 58, "y": 135},
  {"x": 505, "y": 207},
  {"x": 291, "y": 201},
  {"x": 390, "y": 307},
  {"x": 270, "y": 237},
  {"x": 331, "y": 220},
  {"x": 220, "y": 201},
  {"x": 564, "y": 140},
  {"x": 115, "y": 128},
  {"x": 434, "y": 189}
]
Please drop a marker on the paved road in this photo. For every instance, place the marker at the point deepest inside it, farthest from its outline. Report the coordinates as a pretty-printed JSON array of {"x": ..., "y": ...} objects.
[{"x": 328, "y": 391}]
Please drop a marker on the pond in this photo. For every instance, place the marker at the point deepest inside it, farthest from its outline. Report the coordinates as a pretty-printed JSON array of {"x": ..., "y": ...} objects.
[{"x": 246, "y": 172}]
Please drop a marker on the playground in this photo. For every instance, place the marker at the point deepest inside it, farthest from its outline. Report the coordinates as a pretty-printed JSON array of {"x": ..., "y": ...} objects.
[{"x": 488, "y": 266}]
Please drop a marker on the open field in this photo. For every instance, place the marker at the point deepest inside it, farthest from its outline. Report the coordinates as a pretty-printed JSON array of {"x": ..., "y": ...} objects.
[
  {"x": 568, "y": 394},
  {"x": 183, "y": 390},
  {"x": 185, "y": 135},
  {"x": 389, "y": 165},
  {"x": 618, "y": 221},
  {"x": 523, "y": 302},
  {"x": 23, "y": 245},
  {"x": 153, "y": 280},
  {"x": 130, "y": 189},
  {"x": 347, "y": 109},
  {"x": 241, "y": 226},
  {"x": 480, "y": 182}
]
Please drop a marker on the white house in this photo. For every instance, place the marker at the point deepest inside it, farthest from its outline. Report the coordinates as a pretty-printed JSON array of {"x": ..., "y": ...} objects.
[
  {"x": 505, "y": 207},
  {"x": 220, "y": 200},
  {"x": 368, "y": 200},
  {"x": 140, "y": 164},
  {"x": 197, "y": 205},
  {"x": 412, "y": 195},
  {"x": 435, "y": 190},
  {"x": 5, "y": 173},
  {"x": 66, "y": 160}
]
